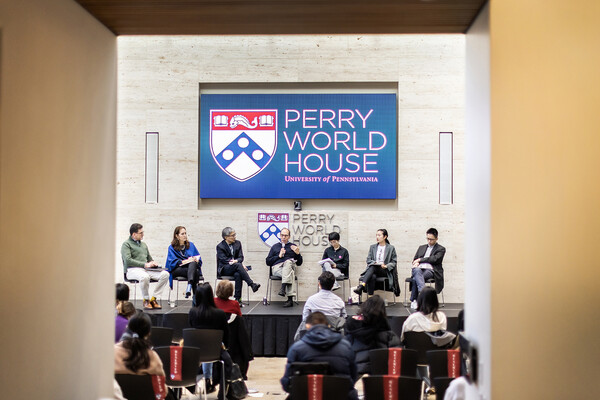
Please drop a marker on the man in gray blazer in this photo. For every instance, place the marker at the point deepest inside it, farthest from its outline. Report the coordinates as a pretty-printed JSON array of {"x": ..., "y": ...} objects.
[{"x": 427, "y": 264}]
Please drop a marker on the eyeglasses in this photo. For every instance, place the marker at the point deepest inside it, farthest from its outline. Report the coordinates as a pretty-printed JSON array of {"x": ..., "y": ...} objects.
[
  {"x": 431, "y": 239},
  {"x": 232, "y": 235}
]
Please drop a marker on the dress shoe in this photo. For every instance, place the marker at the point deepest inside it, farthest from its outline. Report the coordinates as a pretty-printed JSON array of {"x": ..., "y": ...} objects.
[
  {"x": 148, "y": 305},
  {"x": 359, "y": 289},
  {"x": 288, "y": 303},
  {"x": 282, "y": 290},
  {"x": 188, "y": 294},
  {"x": 210, "y": 387},
  {"x": 255, "y": 287},
  {"x": 155, "y": 304}
]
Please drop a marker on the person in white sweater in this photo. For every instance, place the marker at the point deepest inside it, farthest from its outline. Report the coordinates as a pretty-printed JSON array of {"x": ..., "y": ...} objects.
[{"x": 427, "y": 318}]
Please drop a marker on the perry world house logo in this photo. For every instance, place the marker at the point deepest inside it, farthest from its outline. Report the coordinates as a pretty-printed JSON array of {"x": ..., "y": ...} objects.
[
  {"x": 270, "y": 226},
  {"x": 243, "y": 142}
]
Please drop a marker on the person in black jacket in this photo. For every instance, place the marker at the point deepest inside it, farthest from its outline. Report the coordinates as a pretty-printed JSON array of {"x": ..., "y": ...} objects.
[
  {"x": 229, "y": 262},
  {"x": 321, "y": 344},
  {"x": 283, "y": 259},
  {"x": 205, "y": 315},
  {"x": 369, "y": 330}
]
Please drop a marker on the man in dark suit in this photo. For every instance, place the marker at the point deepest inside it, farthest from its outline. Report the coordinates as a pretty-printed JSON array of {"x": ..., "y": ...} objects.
[
  {"x": 229, "y": 262},
  {"x": 427, "y": 264}
]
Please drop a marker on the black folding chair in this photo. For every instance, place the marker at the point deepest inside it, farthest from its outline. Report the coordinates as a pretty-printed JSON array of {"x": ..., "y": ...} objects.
[
  {"x": 278, "y": 278},
  {"x": 176, "y": 321},
  {"x": 393, "y": 361},
  {"x": 444, "y": 366},
  {"x": 161, "y": 336},
  {"x": 428, "y": 282},
  {"x": 177, "y": 280},
  {"x": 136, "y": 387},
  {"x": 392, "y": 387},
  {"x": 319, "y": 387},
  {"x": 209, "y": 341},
  {"x": 189, "y": 367}
]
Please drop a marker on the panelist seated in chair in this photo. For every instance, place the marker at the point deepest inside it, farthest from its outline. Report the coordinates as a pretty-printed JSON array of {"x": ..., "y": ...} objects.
[
  {"x": 427, "y": 264},
  {"x": 138, "y": 265},
  {"x": 229, "y": 262},
  {"x": 283, "y": 259},
  {"x": 321, "y": 344},
  {"x": 183, "y": 259},
  {"x": 338, "y": 256},
  {"x": 381, "y": 262}
]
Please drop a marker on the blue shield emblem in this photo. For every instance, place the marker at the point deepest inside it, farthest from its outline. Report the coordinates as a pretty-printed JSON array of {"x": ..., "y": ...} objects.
[
  {"x": 270, "y": 226},
  {"x": 243, "y": 142}
]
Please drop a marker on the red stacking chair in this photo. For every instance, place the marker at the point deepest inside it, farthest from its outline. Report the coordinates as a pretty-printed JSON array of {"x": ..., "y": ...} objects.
[
  {"x": 393, "y": 361},
  {"x": 444, "y": 366},
  {"x": 388, "y": 387},
  {"x": 320, "y": 387}
]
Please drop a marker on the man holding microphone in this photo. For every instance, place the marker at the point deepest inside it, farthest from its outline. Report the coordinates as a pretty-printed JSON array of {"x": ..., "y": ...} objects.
[{"x": 283, "y": 259}]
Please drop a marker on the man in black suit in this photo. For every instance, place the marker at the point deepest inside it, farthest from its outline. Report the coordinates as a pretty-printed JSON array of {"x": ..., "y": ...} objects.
[
  {"x": 229, "y": 262},
  {"x": 427, "y": 264}
]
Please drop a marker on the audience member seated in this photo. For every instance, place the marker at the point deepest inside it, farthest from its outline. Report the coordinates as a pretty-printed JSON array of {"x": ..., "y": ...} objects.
[
  {"x": 183, "y": 259},
  {"x": 205, "y": 315},
  {"x": 326, "y": 302},
  {"x": 223, "y": 302},
  {"x": 369, "y": 330},
  {"x": 125, "y": 310},
  {"x": 381, "y": 262},
  {"x": 122, "y": 292},
  {"x": 283, "y": 258},
  {"x": 138, "y": 265},
  {"x": 321, "y": 344},
  {"x": 134, "y": 354},
  {"x": 230, "y": 258},
  {"x": 427, "y": 264},
  {"x": 427, "y": 318},
  {"x": 340, "y": 259}
]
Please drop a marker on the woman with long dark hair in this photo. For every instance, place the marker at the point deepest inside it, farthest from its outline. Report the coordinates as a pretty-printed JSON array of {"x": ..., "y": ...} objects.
[
  {"x": 183, "y": 259},
  {"x": 381, "y": 262},
  {"x": 134, "y": 354},
  {"x": 205, "y": 315},
  {"x": 369, "y": 330},
  {"x": 427, "y": 318}
]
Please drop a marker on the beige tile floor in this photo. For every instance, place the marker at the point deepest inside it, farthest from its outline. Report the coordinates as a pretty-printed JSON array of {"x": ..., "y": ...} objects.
[{"x": 263, "y": 376}]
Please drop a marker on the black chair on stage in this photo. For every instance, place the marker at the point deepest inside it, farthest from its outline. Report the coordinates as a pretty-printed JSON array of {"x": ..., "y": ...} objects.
[
  {"x": 383, "y": 282},
  {"x": 135, "y": 283},
  {"x": 393, "y": 361},
  {"x": 177, "y": 280},
  {"x": 392, "y": 387},
  {"x": 176, "y": 321},
  {"x": 319, "y": 387},
  {"x": 278, "y": 278},
  {"x": 209, "y": 342},
  {"x": 136, "y": 387},
  {"x": 190, "y": 357},
  {"x": 444, "y": 366},
  {"x": 232, "y": 279},
  {"x": 161, "y": 336},
  {"x": 429, "y": 282}
]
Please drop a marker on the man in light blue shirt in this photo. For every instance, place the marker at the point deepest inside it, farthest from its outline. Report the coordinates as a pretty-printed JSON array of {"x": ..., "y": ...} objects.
[{"x": 325, "y": 300}]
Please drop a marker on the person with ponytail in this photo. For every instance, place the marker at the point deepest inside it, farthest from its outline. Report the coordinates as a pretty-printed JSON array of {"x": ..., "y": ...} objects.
[
  {"x": 381, "y": 262},
  {"x": 134, "y": 354}
]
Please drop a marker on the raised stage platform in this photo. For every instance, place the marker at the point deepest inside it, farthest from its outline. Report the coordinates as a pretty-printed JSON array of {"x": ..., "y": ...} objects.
[{"x": 272, "y": 327}]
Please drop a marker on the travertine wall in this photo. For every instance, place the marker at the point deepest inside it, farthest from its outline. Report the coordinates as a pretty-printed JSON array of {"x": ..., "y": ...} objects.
[{"x": 159, "y": 79}]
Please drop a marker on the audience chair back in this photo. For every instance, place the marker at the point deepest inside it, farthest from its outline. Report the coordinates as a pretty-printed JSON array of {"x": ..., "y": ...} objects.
[
  {"x": 444, "y": 366},
  {"x": 320, "y": 387},
  {"x": 176, "y": 321},
  {"x": 161, "y": 336},
  {"x": 421, "y": 342},
  {"x": 392, "y": 387},
  {"x": 209, "y": 341},
  {"x": 393, "y": 361},
  {"x": 180, "y": 365},
  {"x": 137, "y": 387}
]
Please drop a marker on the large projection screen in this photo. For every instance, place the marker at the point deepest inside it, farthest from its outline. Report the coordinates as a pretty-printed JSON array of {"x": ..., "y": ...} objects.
[{"x": 311, "y": 146}]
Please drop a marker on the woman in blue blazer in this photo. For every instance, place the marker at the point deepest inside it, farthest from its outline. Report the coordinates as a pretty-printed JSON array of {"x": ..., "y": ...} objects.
[{"x": 183, "y": 259}]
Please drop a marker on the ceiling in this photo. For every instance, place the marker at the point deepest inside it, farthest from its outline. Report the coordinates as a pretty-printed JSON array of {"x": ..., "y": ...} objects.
[{"x": 222, "y": 17}]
